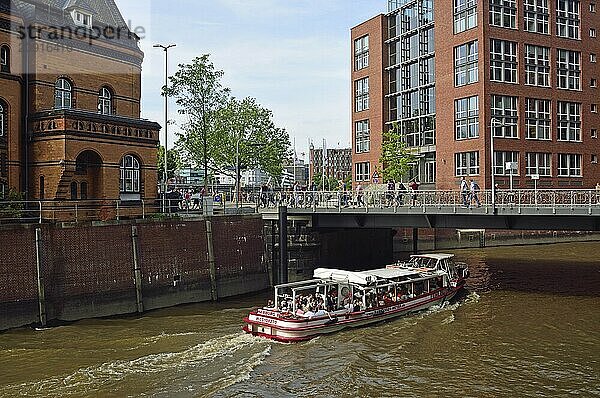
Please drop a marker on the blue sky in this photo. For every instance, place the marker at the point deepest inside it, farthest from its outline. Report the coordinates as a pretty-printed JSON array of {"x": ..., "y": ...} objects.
[{"x": 292, "y": 56}]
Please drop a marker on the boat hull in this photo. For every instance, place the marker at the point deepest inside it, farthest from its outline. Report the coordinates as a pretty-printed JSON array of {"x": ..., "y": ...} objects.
[{"x": 289, "y": 330}]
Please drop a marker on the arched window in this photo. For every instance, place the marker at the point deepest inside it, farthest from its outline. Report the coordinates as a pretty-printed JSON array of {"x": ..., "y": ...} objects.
[
  {"x": 5, "y": 59},
  {"x": 130, "y": 175},
  {"x": 73, "y": 190},
  {"x": 105, "y": 101},
  {"x": 63, "y": 94},
  {"x": 3, "y": 120},
  {"x": 83, "y": 191}
]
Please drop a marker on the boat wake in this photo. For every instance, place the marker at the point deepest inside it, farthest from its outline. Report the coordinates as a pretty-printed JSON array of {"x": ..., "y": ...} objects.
[{"x": 211, "y": 358}]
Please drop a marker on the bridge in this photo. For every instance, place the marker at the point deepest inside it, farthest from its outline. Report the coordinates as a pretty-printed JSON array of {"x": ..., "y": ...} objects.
[{"x": 511, "y": 209}]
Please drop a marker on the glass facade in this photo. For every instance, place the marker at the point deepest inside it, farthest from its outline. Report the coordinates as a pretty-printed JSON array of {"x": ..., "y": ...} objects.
[{"x": 411, "y": 76}]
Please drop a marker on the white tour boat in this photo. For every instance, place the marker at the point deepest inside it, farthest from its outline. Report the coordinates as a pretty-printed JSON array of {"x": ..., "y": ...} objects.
[{"x": 335, "y": 299}]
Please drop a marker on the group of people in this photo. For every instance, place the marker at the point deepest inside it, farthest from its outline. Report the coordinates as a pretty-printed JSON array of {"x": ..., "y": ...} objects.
[{"x": 469, "y": 192}]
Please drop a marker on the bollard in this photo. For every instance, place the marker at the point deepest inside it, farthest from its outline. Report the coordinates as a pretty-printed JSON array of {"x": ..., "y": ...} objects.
[
  {"x": 211, "y": 260},
  {"x": 40, "y": 279},
  {"x": 137, "y": 270}
]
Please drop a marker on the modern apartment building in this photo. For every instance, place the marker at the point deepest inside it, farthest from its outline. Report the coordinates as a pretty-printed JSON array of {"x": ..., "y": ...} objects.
[{"x": 522, "y": 71}]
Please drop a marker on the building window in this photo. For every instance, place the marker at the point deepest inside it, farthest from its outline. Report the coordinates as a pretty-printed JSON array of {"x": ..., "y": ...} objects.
[
  {"x": 467, "y": 163},
  {"x": 362, "y": 94},
  {"x": 592, "y": 32},
  {"x": 567, "y": 18},
  {"x": 538, "y": 163},
  {"x": 361, "y": 53},
  {"x": 569, "y": 69},
  {"x": 105, "y": 101},
  {"x": 363, "y": 136},
  {"x": 63, "y": 94},
  {"x": 82, "y": 19},
  {"x": 83, "y": 194},
  {"x": 536, "y": 16},
  {"x": 594, "y": 133},
  {"x": 595, "y": 159},
  {"x": 503, "y": 61},
  {"x": 500, "y": 162},
  {"x": 466, "y": 70},
  {"x": 569, "y": 121},
  {"x": 73, "y": 190},
  {"x": 465, "y": 15},
  {"x": 593, "y": 7},
  {"x": 537, "y": 119},
  {"x": 430, "y": 175},
  {"x": 4, "y": 59},
  {"x": 466, "y": 118},
  {"x": 363, "y": 171},
  {"x": 537, "y": 65},
  {"x": 594, "y": 108},
  {"x": 569, "y": 165},
  {"x": 505, "y": 113},
  {"x": 42, "y": 188},
  {"x": 3, "y": 119},
  {"x": 130, "y": 175},
  {"x": 593, "y": 83},
  {"x": 3, "y": 190},
  {"x": 503, "y": 13},
  {"x": 593, "y": 58}
]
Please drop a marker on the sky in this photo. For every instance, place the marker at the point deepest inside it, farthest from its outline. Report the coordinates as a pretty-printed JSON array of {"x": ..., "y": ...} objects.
[{"x": 293, "y": 56}]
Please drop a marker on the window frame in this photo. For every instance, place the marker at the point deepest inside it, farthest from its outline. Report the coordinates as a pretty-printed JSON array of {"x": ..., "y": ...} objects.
[
  {"x": 568, "y": 123},
  {"x": 568, "y": 69},
  {"x": 130, "y": 174},
  {"x": 537, "y": 65},
  {"x": 536, "y": 15},
  {"x": 465, "y": 15},
  {"x": 363, "y": 136},
  {"x": 361, "y": 53},
  {"x": 64, "y": 93},
  {"x": 105, "y": 101},
  {"x": 503, "y": 11},
  {"x": 4, "y": 58},
  {"x": 361, "y": 90},
  {"x": 504, "y": 61},
  {"x": 568, "y": 20},
  {"x": 503, "y": 157},
  {"x": 534, "y": 166},
  {"x": 362, "y": 171},
  {"x": 466, "y": 63},
  {"x": 538, "y": 118},
  {"x": 466, "y": 118},
  {"x": 570, "y": 165},
  {"x": 467, "y": 164},
  {"x": 508, "y": 116},
  {"x": 3, "y": 120}
]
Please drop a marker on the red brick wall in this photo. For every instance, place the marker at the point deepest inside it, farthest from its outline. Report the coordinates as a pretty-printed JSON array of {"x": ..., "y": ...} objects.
[{"x": 375, "y": 28}]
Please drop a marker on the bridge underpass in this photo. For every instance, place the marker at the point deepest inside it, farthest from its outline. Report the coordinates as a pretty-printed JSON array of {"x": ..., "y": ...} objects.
[{"x": 344, "y": 221}]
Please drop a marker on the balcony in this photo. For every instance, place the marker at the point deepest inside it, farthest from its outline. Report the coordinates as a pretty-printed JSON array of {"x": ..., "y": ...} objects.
[{"x": 79, "y": 122}]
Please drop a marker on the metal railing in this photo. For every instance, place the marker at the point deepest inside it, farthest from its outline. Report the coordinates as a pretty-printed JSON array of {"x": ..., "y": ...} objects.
[
  {"x": 366, "y": 201},
  {"x": 439, "y": 199}
]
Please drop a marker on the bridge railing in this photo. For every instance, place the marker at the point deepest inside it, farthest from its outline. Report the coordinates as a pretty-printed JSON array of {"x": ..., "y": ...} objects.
[{"x": 441, "y": 199}]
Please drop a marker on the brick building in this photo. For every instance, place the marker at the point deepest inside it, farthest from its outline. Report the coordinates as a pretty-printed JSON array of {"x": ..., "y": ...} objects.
[
  {"x": 455, "y": 72},
  {"x": 70, "y": 103}
]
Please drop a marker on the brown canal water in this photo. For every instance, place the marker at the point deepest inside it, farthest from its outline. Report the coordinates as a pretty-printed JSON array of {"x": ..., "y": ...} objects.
[{"x": 529, "y": 326}]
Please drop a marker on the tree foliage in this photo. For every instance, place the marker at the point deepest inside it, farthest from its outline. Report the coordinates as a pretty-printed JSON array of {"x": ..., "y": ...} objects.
[
  {"x": 396, "y": 157},
  {"x": 174, "y": 162},
  {"x": 216, "y": 123}
]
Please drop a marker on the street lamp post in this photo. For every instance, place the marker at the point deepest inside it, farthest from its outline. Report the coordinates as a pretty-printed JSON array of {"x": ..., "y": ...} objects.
[
  {"x": 165, "y": 157},
  {"x": 494, "y": 123}
]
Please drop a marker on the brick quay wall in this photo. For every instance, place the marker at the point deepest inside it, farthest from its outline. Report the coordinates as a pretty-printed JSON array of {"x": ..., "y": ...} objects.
[{"x": 53, "y": 273}]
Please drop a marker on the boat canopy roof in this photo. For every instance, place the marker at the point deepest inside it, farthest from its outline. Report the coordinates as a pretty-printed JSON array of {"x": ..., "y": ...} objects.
[
  {"x": 364, "y": 277},
  {"x": 437, "y": 257}
]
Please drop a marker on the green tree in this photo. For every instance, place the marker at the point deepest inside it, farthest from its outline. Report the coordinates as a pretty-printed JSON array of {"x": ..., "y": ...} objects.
[
  {"x": 246, "y": 126},
  {"x": 174, "y": 162},
  {"x": 396, "y": 157},
  {"x": 331, "y": 183},
  {"x": 200, "y": 95}
]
